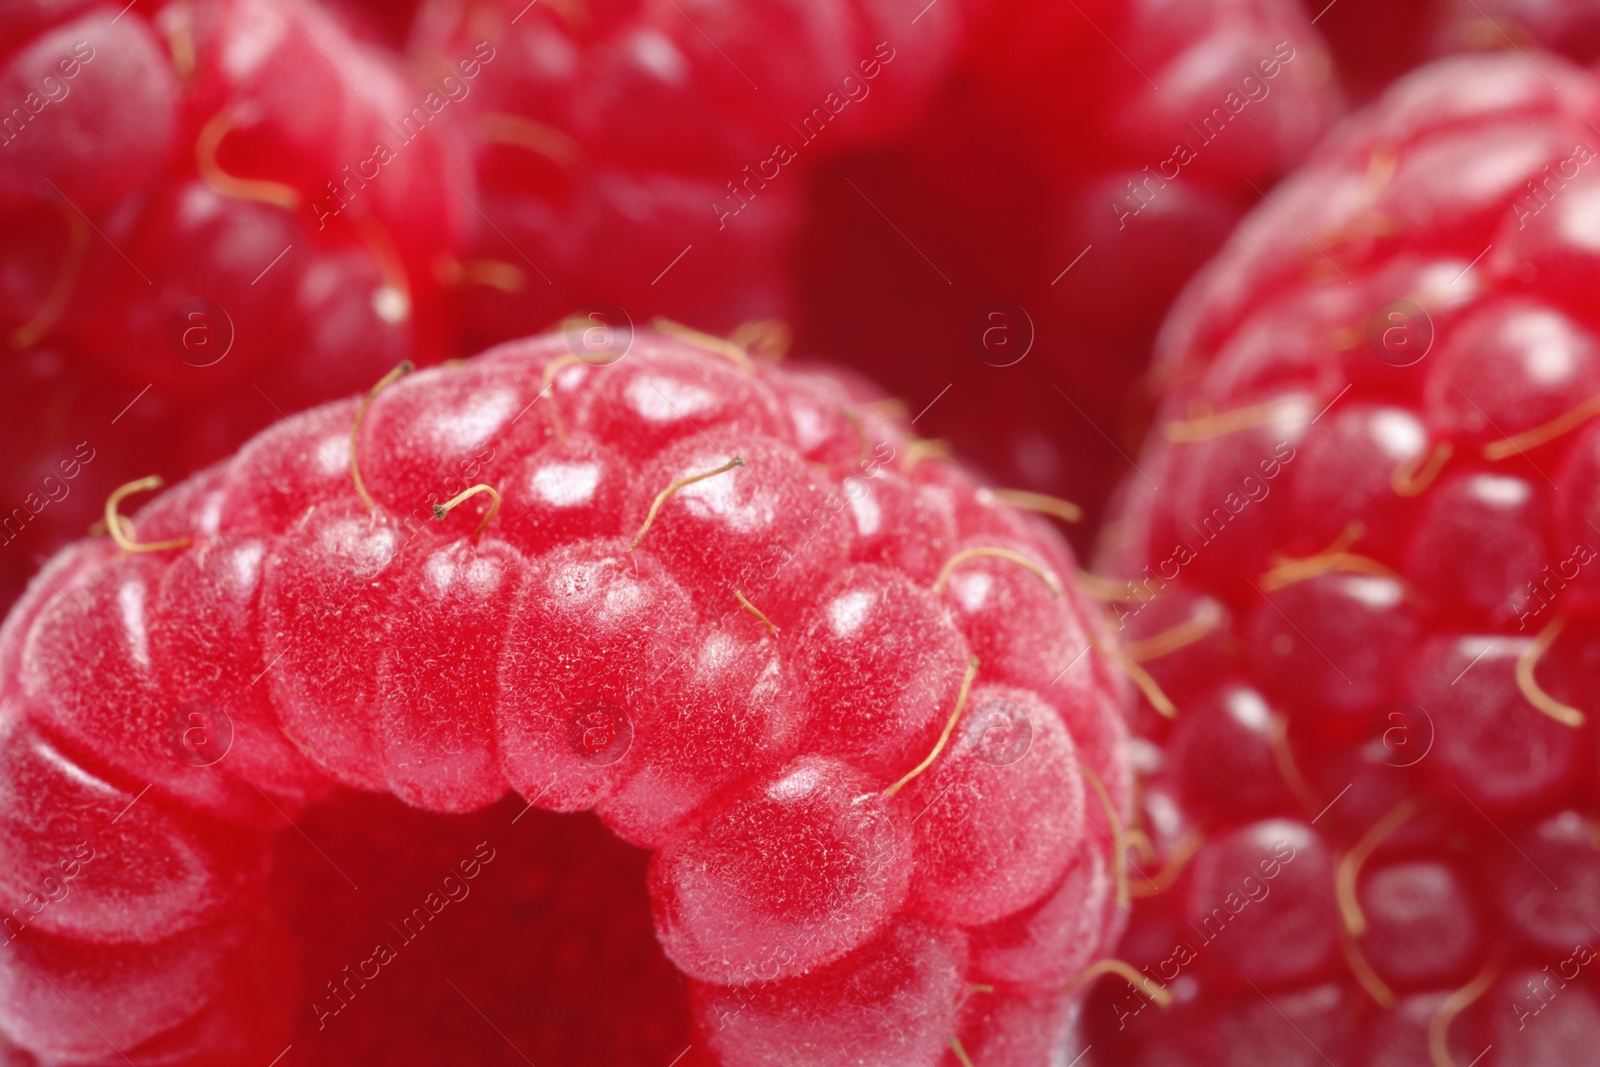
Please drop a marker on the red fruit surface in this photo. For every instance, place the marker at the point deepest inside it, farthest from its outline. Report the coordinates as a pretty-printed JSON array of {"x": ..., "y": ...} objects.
[
  {"x": 637, "y": 159},
  {"x": 1032, "y": 229},
  {"x": 1359, "y": 558},
  {"x": 1376, "y": 41},
  {"x": 865, "y": 806},
  {"x": 192, "y": 249}
]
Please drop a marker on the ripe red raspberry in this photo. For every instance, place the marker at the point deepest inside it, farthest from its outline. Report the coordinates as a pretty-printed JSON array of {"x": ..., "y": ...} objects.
[
  {"x": 648, "y": 155},
  {"x": 198, "y": 240},
  {"x": 852, "y": 703},
  {"x": 1358, "y": 557},
  {"x": 1032, "y": 230}
]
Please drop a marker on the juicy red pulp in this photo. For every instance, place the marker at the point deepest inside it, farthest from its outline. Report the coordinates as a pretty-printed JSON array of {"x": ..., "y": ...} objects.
[{"x": 551, "y": 939}]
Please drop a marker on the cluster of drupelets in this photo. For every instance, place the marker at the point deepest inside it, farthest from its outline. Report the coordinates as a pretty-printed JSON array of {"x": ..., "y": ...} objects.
[
  {"x": 1380, "y": 677},
  {"x": 851, "y": 703},
  {"x": 851, "y": 700}
]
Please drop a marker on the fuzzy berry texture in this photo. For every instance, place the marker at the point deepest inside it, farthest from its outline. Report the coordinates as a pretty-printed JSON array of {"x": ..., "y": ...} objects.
[
  {"x": 647, "y": 157},
  {"x": 197, "y": 241},
  {"x": 852, "y": 742},
  {"x": 1085, "y": 160},
  {"x": 1359, "y": 558}
]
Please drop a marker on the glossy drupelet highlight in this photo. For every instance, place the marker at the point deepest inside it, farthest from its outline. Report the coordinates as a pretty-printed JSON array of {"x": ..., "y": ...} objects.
[
  {"x": 855, "y": 707},
  {"x": 1359, "y": 557}
]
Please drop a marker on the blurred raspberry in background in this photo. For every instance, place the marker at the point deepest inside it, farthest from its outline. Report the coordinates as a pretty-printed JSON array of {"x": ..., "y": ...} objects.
[
  {"x": 1022, "y": 244},
  {"x": 649, "y": 156},
  {"x": 202, "y": 237}
]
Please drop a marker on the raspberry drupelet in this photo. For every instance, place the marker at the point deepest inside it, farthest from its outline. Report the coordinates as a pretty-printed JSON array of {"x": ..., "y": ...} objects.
[
  {"x": 1358, "y": 558},
  {"x": 202, "y": 235},
  {"x": 851, "y": 705}
]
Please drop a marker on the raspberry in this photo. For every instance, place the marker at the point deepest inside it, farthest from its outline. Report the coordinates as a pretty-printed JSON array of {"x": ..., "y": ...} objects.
[
  {"x": 1055, "y": 106},
  {"x": 642, "y": 156},
  {"x": 1357, "y": 560},
  {"x": 880, "y": 797},
  {"x": 194, "y": 248}
]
